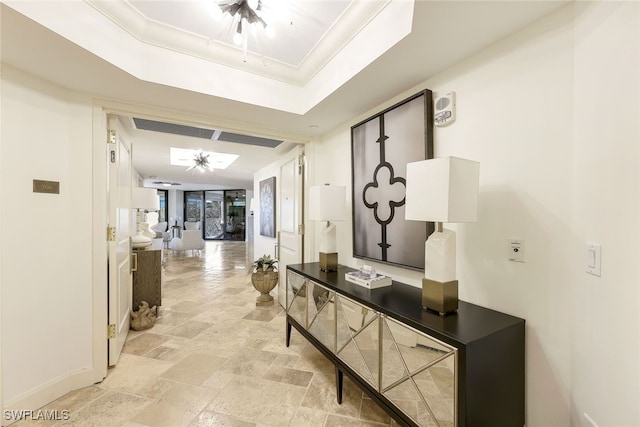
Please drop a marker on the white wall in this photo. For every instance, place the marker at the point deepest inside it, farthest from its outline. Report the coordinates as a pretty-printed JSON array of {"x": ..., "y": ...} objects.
[
  {"x": 557, "y": 174},
  {"x": 176, "y": 206},
  {"x": 248, "y": 235},
  {"x": 606, "y": 341},
  {"x": 46, "y": 274}
]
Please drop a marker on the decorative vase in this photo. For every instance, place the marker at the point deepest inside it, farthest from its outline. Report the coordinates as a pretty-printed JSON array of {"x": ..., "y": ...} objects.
[
  {"x": 264, "y": 282},
  {"x": 147, "y": 231},
  {"x": 140, "y": 240}
]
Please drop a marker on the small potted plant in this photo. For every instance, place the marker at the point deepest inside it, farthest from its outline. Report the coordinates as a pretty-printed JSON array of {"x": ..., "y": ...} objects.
[{"x": 264, "y": 277}]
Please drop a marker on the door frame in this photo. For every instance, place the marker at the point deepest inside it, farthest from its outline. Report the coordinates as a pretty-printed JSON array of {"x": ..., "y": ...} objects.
[
  {"x": 120, "y": 276},
  {"x": 101, "y": 108},
  {"x": 100, "y": 319},
  {"x": 300, "y": 170}
]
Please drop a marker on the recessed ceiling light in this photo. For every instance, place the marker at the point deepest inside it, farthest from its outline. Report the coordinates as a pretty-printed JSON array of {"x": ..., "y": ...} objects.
[{"x": 313, "y": 126}]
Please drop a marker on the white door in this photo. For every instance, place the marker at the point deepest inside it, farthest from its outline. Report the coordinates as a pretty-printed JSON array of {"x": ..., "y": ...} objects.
[
  {"x": 290, "y": 234},
  {"x": 121, "y": 227}
]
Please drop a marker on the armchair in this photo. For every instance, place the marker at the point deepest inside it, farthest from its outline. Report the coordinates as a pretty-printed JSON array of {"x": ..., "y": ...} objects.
[
  {"x": 160, "y": 227},
  {"x": 191, "y": 240},
  {"x": 161, "y": 231}
]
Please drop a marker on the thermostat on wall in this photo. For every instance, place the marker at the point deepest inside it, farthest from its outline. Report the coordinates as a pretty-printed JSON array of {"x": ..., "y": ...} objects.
[{"x": 444, "y": 109}]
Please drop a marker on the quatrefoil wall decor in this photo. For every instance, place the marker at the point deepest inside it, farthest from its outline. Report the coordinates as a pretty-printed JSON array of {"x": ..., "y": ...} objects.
[{"x": 381, "y": 147}]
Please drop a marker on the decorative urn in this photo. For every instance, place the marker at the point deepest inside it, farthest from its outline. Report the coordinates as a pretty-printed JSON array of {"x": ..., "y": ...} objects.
[{"x": 264, "y": 278}]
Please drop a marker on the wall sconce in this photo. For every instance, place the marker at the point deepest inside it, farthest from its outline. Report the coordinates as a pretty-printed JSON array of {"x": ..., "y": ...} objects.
[{"x": 441, "y": 190}]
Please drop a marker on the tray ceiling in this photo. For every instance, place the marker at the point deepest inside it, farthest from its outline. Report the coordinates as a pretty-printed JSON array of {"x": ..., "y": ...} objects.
[{"x": 158, "y": 59}]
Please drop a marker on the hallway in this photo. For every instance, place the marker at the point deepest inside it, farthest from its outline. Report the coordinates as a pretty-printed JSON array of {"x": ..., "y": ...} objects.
[{"x": 214, "y": 359}]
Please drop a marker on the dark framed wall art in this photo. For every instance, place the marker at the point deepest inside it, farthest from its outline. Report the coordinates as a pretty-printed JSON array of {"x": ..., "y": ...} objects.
[
  {"x": 381, "y": 147},
  {"x": 268, "y": 207}
]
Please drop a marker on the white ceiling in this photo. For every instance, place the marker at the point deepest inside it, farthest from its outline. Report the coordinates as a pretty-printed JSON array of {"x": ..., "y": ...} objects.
[
  {"x": 439, "y": 34},
  {"x": 299, "y": 25},
  {"x": 310, "y": 34}
]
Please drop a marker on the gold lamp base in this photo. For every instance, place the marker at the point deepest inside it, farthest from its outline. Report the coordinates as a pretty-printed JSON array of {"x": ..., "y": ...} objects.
[
  {"x": 329, "y": 261},
  {"x": 440, "y": 296}
]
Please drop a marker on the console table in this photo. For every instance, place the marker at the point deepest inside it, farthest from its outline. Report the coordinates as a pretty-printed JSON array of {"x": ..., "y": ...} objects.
[
  {"x": 464, "y": 369},
  {"x": 147, "y": 278}
]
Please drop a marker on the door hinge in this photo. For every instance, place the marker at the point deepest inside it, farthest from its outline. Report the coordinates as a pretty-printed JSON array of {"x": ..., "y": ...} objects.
[
  {"x": 111, "y": 234},
  {"x": 301, "y": 229},
  {"x": 300, "y": 164},
  {"x": 111, "y": 330},
  {"x": 111, "y": 136}
]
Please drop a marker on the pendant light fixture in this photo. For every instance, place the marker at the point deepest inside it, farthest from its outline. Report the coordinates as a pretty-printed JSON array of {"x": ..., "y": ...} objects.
[
  {"x": 247, "y": 16},
  {"x": 200, "y": 163}
]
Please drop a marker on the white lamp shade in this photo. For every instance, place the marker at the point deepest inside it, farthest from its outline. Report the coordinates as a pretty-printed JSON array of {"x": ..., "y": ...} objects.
[
  {"x": 146, "y": 198},
  {"x": 442, "y": 190},
  {"x": 327, "y": 203},
  {"x": 252, "y": 204}
]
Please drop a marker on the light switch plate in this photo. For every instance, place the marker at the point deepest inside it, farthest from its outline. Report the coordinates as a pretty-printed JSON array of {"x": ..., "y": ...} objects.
[{"x": 594, "y": 259}]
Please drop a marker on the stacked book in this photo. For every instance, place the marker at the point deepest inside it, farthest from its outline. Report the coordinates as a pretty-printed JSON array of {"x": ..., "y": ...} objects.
[{"x": 367, "y": 280}]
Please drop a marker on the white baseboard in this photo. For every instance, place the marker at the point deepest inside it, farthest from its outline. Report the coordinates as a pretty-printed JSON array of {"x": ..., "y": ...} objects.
[{"x": 47, "y": 393}]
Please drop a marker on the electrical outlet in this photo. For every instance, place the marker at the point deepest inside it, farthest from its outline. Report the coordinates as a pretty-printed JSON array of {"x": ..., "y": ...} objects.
[{"x": 516, "y": 250}]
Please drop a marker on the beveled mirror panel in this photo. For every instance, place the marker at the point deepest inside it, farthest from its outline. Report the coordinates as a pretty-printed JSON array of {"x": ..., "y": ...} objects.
[
  {"x": 297, "y": 298},
  {"x": 436, "y": 385},
  {"x": 322, "y": 315},
  {"x": 406, "y": 396},
  {"x": 357, "y": 338},
  {"x": 419, "y": 374}
]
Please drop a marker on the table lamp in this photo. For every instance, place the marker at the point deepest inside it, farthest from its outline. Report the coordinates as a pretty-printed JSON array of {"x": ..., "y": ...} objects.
[
  {"x": 327, "y": 203},
  {"x": 144, "y": 199},
  {"x": 441, "y": 190}
]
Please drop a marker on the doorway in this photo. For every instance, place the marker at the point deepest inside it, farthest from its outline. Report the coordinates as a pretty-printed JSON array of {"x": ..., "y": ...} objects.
[
  {"x": 223, "y": 213},
  {"x": 193, "y": 206},
  {"x": 101, "y": 159},
  {"x": 214, "y": 215},
  {"x": 163, "y": 213}
]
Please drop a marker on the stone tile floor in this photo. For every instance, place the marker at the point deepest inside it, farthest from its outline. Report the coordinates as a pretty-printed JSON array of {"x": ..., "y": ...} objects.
[{"x": 215, "y": 359}]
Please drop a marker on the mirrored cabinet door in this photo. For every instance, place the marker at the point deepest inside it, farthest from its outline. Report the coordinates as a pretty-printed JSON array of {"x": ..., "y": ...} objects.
[
  {"x": 297, "y": 297},
  {"x": 322, "y": 314},
  {"x": 419, "y": 374},
  {"x": 357, "y": 338}
]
